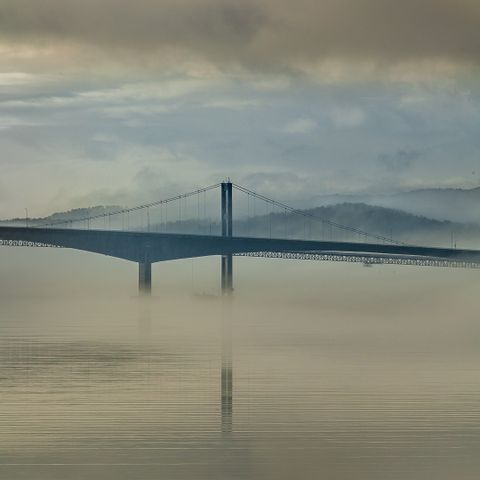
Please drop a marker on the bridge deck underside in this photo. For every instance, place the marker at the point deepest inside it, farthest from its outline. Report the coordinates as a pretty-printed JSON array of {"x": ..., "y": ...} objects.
[{"x": 136, "y": 246}]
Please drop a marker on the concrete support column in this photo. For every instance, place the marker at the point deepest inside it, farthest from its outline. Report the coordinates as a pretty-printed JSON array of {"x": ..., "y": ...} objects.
[
  {"x": 227, "y": 274},
  {"x": 145, "y": 278}
]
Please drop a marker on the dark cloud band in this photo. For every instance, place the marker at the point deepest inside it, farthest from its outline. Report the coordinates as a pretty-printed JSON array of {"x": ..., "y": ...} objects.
[{"x": 257, "y": 34}]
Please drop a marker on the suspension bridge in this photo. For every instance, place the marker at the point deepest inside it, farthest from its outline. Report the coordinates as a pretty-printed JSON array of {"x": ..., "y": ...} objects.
[{"x": 183, "y": 226}]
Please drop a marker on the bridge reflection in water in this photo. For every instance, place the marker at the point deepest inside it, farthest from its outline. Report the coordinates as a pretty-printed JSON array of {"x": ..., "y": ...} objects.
[{"x": 145, "y": 317}]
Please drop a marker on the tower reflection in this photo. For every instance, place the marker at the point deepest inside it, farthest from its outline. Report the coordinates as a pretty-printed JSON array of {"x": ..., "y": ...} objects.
[{"x": 227, "y": 371}]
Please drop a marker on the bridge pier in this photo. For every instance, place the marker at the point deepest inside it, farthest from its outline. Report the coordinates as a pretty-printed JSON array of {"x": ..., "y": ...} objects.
[
  {"x": 227, "y": 220},
  {"x": 145, "y": 278},
  {"x": 227, "y": 274}
]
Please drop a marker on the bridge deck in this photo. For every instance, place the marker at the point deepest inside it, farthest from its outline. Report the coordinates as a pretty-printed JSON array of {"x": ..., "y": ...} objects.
[{"x": 154, "y": 247}]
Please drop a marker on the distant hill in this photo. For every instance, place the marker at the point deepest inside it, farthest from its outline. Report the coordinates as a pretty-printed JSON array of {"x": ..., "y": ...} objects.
[
  {"x": 454, "y": 204},
  {"x": 70, "y": 215},
  {"x": 387, "y": 222}
]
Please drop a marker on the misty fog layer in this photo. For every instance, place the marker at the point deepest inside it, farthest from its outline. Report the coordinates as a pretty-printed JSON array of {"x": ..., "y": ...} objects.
[{"x": 338, "y": 370}]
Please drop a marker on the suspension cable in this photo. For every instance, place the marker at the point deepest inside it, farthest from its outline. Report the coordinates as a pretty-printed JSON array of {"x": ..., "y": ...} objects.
[
  {"x": 138, "y": 207},
  {"x": 311, "y": 216}
]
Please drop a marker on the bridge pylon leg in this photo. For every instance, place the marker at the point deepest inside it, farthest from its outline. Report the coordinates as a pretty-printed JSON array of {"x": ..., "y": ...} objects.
[
  {"x": 145, "y": 278},
  {"x": 227, "y": 220}
]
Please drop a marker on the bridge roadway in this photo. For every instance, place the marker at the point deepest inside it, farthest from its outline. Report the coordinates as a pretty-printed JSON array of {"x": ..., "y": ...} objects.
[{"x": 157, "y": 247}]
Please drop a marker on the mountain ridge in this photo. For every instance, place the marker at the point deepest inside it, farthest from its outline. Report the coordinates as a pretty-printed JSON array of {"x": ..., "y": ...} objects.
[{"x": 453, "y": 204}]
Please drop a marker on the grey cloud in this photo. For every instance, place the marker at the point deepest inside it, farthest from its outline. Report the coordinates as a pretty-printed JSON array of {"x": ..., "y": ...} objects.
[
  {"x": 399, "y": 161},
  {"x": 143, "y": 27},
  {"x": 260, "y": 34},
  {"x": 82, "y": 152}
]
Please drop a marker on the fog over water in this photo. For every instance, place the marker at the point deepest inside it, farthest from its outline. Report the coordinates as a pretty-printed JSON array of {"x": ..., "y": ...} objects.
[{"x": 339, "y": 371}]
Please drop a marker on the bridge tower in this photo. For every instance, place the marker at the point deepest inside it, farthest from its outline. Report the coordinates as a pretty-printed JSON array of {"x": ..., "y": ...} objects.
[{"x": 227, "y": 260}]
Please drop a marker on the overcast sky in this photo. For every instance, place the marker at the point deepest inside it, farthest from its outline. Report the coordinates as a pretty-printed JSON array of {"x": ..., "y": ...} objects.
[{"x": 120, "y": 101}]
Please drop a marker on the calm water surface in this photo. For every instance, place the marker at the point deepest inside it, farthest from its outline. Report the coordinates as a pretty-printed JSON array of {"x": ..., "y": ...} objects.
[{"x": 367, "y": 385}]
